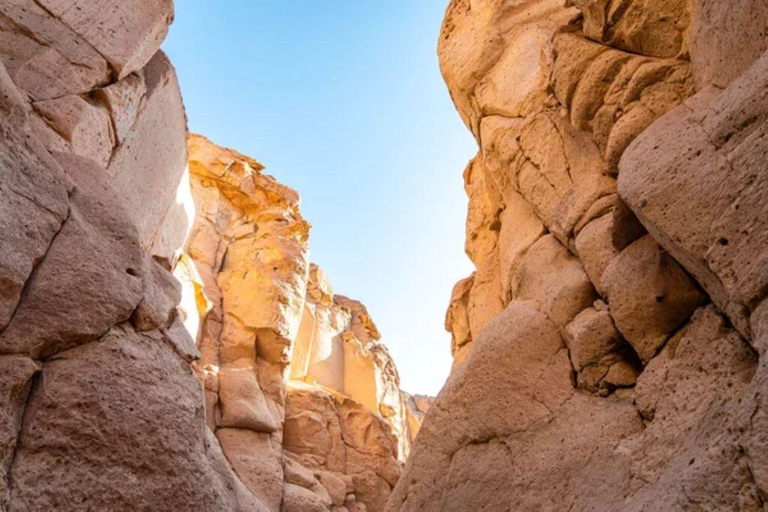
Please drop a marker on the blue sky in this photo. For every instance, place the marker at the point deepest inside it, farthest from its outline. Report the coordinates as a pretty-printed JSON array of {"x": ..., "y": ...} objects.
[{"x": 343, "y": 101}]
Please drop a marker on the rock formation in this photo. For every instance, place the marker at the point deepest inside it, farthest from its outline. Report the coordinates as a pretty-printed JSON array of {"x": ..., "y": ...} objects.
[
  {"x": 610, "y": 347},
  {"x": 101, "y": 409},
  {"x": 125, "y": 386},
  {"x": 300, "y": 393},
  {"x": 166, "y": 343}
]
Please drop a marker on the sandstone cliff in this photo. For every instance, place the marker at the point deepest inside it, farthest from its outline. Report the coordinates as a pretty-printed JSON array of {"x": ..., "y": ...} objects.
[
  {"x": 240, "y": 381},
  {"x": 100, "y": 409},
  {"x": 300, "y": 392},
  {"x": 610, "y": 347}
]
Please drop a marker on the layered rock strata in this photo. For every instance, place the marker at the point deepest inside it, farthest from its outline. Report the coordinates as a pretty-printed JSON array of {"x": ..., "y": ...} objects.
[{"x": 609, "y": 348}]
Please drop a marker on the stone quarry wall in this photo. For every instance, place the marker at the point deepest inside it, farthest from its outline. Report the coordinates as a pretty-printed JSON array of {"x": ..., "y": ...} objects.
[
  {"x": 237, "y": 382},
  {"x": 610, "y": 347}
]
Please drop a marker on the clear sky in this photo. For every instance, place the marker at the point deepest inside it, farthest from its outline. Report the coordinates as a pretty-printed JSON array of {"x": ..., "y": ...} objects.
[{"x": 343, "y": 101}]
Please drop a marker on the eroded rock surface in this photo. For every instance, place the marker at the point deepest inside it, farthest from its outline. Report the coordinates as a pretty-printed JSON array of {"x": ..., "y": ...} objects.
[
  {"x": 609, "y": 349},
  {"x": 101, "y": 409},
  {"x": 301, "y": 393},
  {"x": 125, "y": 386}
]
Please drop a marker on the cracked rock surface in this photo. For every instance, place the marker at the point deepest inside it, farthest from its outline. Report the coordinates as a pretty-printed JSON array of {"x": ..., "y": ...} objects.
[
  {"x": 165, "y": 342},
  {"x": 300, "y": 391},
  {"x": 609, "y": 350}
]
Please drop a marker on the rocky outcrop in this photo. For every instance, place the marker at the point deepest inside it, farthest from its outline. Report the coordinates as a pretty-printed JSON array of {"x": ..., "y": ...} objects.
[
  {"x": 101, "y": 409},
  {"x": 300, "y": 392},
  {"x": 125, "y": 386},
  {"x": 99, "y": 88},
  {"x": 609, "y": 349}
]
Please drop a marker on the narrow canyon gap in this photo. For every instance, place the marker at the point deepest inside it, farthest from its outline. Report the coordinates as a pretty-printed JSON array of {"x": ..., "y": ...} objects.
[{"x": 167, "y": 344}]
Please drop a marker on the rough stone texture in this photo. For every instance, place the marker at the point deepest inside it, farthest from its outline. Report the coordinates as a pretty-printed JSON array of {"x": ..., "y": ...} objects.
[
  {"x": 617, "y": 191},
  {"x": 35, "y": 198},
  {"x": 111, "y": 408},
  {"x": 18, "y": 373},
  {"x": 650, "y": 295},
  {"x": 90, "y": 278},
  {"x": 101, "y": 409},
  {"x": 300, "y": 391},
  {"x": 416, "y": 407},
  {"x": 701, "y": 193},
  {"x": 338, "y": 440},
  {"x": 107, "y": 400},
  {"x": 132, "y": 128},
  {"x": 726, "y": 39},
  {"x": 54, "y": 48}
]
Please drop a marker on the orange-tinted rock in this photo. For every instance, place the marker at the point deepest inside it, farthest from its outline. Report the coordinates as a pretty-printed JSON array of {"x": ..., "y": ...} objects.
[
  {"x": 336, "y": 436},
  {"x": 560, "y": 105},
  {"x": 457, "y": 316},
  {"x": 656, "y": 28},
  {"x": 650, "y": 295},
  {"x": 284, "y": 359},
  {"x": 554, "y": 280}
]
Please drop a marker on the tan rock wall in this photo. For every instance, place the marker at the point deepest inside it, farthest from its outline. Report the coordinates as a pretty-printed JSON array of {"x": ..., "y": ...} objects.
[
  {"x": 590, "y": 373},
  {"x": 101, "y": 409},
  {"x": 283, "y": 357},
  {"x": 125, "y": 386}
]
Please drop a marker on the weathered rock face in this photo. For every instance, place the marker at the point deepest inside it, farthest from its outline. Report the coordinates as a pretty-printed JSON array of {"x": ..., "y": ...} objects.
[
  {"x": 101, "y": 409},
  {"x": 300, "y": 392},
  {"x": 125, "y": 386},
  {"x": 339, "y": 348},
  {"x": 100, "y": 89},
  {"x": 617, "y": 191}
]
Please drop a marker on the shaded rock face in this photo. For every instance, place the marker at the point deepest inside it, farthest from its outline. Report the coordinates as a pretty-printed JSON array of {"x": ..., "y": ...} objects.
[
  {"x": 101, "y": 409},
  {"x": 100, "y": 89},
  {"x": 609, "y": 350},
  {"x": 165, "y": 343},
  {"x": 300, "y": 392}
]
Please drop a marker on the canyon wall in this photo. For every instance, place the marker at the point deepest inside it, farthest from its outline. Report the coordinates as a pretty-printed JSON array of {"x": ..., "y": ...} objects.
[
  {"x": 609, "y": 349},
  {"x": 100, "y": 408},
  {"x": 301, "y": 394},
  {"x": 165, "y": 342}
]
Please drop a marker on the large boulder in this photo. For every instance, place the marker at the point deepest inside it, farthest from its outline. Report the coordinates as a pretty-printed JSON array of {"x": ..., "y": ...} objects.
[{"x": 700, "y": 193}]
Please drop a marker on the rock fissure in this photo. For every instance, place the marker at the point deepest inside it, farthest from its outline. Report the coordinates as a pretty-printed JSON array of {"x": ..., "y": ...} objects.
[
  {"x": 113, "y": 72},
  {"x": 32, "y": 386},
  {"x": 35, "y": 266}
]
